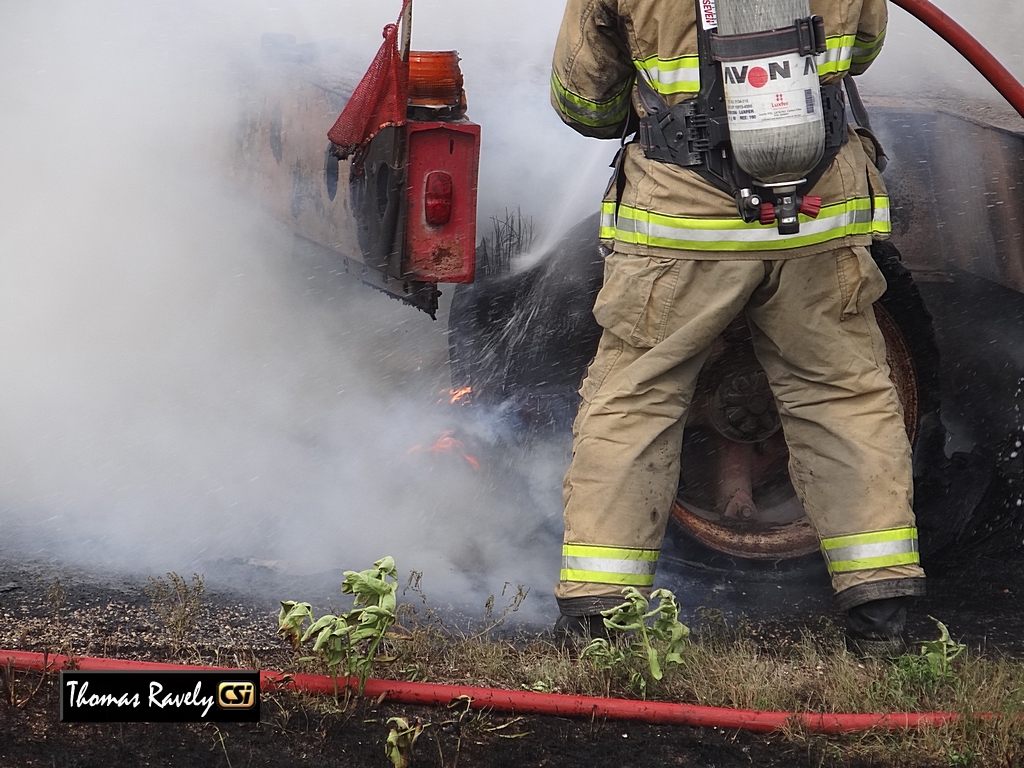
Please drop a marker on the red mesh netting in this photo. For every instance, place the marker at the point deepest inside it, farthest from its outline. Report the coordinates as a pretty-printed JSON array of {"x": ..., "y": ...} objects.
[{"x": 378, "y": 101}]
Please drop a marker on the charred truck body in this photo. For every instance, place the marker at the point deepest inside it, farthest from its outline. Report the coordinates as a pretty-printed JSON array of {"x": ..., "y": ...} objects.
[{"x": 401, "y": 215}]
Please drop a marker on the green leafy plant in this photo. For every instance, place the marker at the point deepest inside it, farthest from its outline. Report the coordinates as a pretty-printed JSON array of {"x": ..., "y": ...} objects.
[
  {"x": 401, "y": 740},
  {"x": 941, "y": 653},
  {"x": 911, "y": 676},
  {"x": 660, "y": 636},
  {"x": 350, "y": 639}
]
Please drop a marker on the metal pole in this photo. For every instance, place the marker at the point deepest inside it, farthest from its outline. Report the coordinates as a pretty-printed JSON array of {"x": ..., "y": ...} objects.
[{"x": 406, "y": 30}]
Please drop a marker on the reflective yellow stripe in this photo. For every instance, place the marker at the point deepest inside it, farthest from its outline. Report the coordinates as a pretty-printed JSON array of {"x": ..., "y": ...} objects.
[
  {"x": 678, "y": 75},
  {"x": 682, "y": 74},
  {"x": 609, "y": 565},
  {"x": 865, "y": 51},
  {"x": 861, "y": 216},
  {"x": 882, "y": 224},
  {"x": 607, "y": 221},
  {"x": 872, "y": 537},
  {"x": 837, "y": 56},
  {"x": 596, "y": 114},
  {"x": 867, "y": 551},
  {"x": 612, "y": 553},
  {"x": 871, "y": 563},
  {"x": 600, "y": 577}
]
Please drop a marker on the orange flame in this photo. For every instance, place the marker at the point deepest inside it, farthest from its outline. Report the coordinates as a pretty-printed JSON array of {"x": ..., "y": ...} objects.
[
  {"x": 460, "y": 394},
  {"x": 447, "y": 444}
]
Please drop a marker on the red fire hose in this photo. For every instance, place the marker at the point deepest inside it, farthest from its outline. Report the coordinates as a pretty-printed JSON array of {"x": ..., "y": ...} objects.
[
  {"x": 969, "y": 48},
  {"x": 525, "y": 702}
]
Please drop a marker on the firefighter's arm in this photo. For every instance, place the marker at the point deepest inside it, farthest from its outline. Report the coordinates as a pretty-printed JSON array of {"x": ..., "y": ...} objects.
[
  {"x": 874, "y": 16},
  {"x": 592, "y": 73}
]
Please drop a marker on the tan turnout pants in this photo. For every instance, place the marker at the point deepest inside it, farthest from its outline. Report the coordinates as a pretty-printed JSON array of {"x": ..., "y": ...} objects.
[{"x": 815, "y": 334}]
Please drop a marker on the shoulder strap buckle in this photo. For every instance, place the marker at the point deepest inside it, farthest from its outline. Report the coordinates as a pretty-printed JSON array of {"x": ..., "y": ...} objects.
[{"x": 676, "y": 134}]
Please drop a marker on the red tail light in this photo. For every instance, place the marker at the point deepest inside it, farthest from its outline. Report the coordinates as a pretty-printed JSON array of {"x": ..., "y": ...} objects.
[
  {"x": 438, "y": 198},
  {"x": 440, "y": 236}
]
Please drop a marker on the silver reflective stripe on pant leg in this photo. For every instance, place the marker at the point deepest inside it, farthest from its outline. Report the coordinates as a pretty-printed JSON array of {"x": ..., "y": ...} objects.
[
  {"x": 869, "y": 551},
  {"x": 609, "y": 565}
]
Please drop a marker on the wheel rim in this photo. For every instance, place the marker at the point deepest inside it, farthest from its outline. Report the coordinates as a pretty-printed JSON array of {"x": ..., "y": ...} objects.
[{"x": 735, "y": 494}]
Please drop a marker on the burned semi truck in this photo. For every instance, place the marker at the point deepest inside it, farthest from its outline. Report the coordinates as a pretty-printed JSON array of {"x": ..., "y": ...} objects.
[{"x": 401, "y": 216}]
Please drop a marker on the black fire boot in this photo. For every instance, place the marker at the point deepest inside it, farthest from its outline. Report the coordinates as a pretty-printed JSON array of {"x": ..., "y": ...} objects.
[
  {"x": 579, "y": 630},
  {"x": 876, "y": 629}
]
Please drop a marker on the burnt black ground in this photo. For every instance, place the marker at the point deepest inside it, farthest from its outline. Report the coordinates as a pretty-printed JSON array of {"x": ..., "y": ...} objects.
[
  {"x": 294, "y": 733},
  {"x": 976, "y": 588},
  {"x": 980, "y": 601}
]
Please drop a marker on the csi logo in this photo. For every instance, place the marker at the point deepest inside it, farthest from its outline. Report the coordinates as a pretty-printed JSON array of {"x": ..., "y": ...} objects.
[{"x": 236, "y": 695}]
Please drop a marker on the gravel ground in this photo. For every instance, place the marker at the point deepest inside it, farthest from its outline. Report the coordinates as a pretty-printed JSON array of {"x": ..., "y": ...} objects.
[
  {"x": 108, "y": 614},
  {"x": 105, "y": 612}
]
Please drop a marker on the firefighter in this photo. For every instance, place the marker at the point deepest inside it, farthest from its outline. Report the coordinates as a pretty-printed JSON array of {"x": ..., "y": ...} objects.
[{"x": 683, "y": 262}]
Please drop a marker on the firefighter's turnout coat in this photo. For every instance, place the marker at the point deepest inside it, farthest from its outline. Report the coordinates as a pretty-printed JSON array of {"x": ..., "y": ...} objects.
[
  {"x": 683, "y": 266},
  {"x": 666, "y": 210}
]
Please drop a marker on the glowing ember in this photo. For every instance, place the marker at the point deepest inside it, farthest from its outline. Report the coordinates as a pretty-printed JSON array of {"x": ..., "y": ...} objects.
[
  {"x": 456, "y": 395},
  {"x": 460, "y": 394},
  {"x": 446, "y": 443}
]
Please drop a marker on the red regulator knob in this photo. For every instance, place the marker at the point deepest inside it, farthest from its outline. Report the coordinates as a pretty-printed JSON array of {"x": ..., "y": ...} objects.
[{"x": 810, "y": 206}]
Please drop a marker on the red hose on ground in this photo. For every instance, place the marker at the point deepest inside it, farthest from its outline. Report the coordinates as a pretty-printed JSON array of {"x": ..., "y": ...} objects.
[
  {"x": 527, "y": 702},
  {"x": 969, "y": 48}
]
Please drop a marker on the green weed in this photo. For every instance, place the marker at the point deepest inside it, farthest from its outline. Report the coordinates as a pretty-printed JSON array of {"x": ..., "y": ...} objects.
[
  {"x": 660, "y": 637},
  {"x": 178, "y": 604},
  {"x": 350, "y": 639}
]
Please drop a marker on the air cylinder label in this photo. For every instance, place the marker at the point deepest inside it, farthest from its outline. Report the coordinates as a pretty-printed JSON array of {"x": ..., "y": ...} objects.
[
  {"x": 708, "y": 14},
  {"x": 772, "y": 93}
]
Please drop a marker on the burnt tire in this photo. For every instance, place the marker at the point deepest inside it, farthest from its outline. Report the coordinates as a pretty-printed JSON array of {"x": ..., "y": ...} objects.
[
  {"x": 902, "y": 303},
  {"x": 947, "y": 490}
]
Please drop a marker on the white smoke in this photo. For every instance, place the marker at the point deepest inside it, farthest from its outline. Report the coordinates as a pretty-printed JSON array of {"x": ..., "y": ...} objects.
[
  {"x": 917, "y": 62},
  {"x": 175, "y": 388}
]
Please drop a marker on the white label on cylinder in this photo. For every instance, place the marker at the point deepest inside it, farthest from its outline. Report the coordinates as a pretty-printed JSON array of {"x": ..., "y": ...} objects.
[
  {"x": 708, "y": 14},
  {"x": 772, "y": 93}
]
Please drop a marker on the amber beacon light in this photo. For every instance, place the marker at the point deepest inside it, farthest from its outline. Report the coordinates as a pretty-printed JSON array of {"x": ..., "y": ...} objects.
[{"x": 435, "y": 79}]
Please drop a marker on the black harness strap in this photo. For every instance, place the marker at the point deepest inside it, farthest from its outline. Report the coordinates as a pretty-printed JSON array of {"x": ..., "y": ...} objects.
[
  {"x": 806, "y": 37},
  {"x": 694, "y": 133}
]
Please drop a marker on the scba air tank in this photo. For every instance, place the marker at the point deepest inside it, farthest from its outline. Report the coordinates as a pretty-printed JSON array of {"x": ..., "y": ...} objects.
[{"x": 773, "y": 99}]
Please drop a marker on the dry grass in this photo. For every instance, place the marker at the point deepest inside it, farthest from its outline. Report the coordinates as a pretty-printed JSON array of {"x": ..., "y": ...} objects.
[
  {"x": 729, "y": 667},
  {"x": 741, "y": 666},
  {"x": 178, "y": 604}
]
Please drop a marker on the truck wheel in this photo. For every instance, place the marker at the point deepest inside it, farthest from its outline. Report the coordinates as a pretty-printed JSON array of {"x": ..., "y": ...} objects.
[
  {"x": 522, "y": 341},
  {"x": 735, "y": 496}
]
